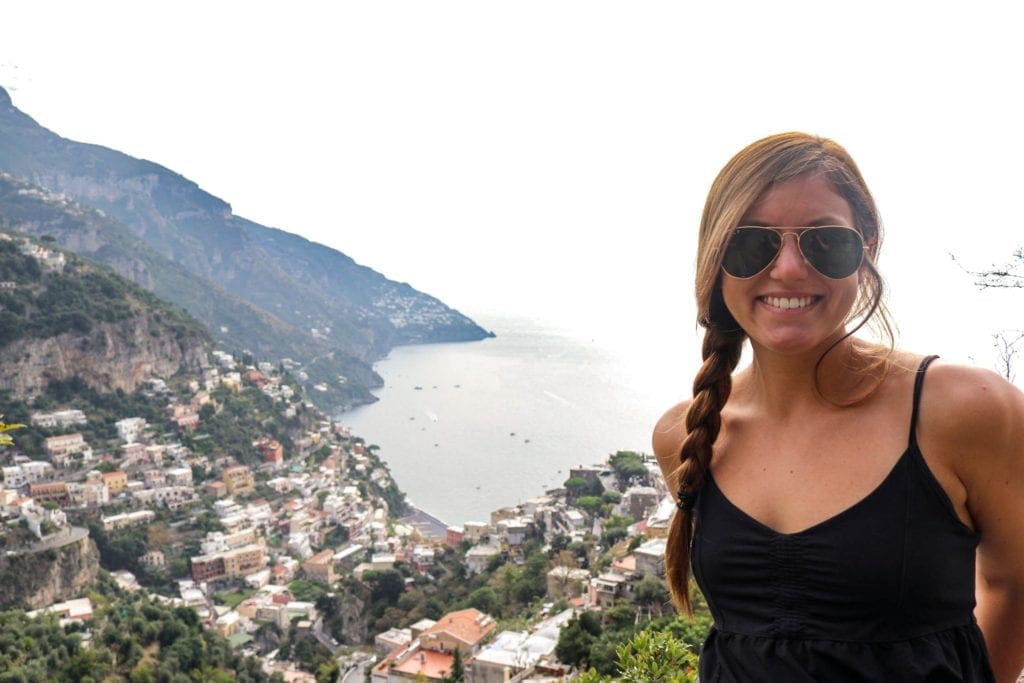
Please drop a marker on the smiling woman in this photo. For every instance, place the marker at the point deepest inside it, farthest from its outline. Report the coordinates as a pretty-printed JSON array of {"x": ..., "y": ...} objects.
[{"x": 833, "y": 504}]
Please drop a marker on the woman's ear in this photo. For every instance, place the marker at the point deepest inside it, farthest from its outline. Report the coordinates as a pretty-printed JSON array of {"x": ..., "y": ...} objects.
[{"x": 871, "y": 244}]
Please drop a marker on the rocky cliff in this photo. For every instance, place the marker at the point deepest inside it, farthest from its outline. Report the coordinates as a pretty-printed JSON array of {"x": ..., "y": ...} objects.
[
  {"x": 62, "y": 317},
  {"x": 38, "y": 579},
  {"x": 110, "y": 356}
]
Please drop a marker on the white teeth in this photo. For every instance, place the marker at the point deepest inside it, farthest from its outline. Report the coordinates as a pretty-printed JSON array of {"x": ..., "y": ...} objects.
[{"x": 788, "y": 302}]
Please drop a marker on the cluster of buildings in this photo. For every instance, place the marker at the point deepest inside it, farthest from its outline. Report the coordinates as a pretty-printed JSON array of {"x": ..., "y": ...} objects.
[
  {"x": 148, "y": 468},
  {"x": 426, "y": 650},
  {"x": 48, "y": 259},
  {"x": 279, "y": 520},
  {"x": 147, "y": 474}
]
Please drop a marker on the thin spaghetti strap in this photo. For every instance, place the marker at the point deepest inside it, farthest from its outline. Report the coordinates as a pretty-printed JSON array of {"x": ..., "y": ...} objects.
[{"x": 918, "y": 381}]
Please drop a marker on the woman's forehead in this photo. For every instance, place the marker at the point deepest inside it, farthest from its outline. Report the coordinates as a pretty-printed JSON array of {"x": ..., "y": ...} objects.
[{"x": 800, "y": 201}]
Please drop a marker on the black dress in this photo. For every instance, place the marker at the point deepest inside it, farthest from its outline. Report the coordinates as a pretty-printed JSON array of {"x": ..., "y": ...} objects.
[{"x": 883, "y": 591}]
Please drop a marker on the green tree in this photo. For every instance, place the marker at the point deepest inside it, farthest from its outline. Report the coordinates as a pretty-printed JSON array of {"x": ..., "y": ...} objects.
[
  {"x": 651, "y": 593},
  {"x": 485, "y": 600},
  {"x": 629, "y": 469},
  {"x": 386, "y": 586},
  {"x": 458, "y": 672},
  {"x": 327, "y": 672},
  {"x": 307, "y": 591},
  {"x": 590, "y": 504},
  {"x": 575, "y": 485},
  {"x": 576, "y": 639}
]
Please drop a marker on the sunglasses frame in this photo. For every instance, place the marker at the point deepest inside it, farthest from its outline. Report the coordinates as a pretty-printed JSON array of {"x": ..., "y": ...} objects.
[{"x": 798, "y": 232}]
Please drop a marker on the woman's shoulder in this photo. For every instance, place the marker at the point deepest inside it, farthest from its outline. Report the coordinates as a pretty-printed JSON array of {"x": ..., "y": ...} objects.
[
  {"x": 962, "y": 398},
  {"x": 972, "y": 420},
  {"x": 972, "y": 415},
  {"x": 667, "y": 440}
]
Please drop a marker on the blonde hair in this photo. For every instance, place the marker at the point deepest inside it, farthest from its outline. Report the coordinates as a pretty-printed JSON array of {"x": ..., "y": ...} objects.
[{"x": 743, "y": 180}]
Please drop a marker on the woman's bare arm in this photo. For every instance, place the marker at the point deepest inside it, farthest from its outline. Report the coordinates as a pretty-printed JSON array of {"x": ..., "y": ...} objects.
[{"x": 978, "y": 419}]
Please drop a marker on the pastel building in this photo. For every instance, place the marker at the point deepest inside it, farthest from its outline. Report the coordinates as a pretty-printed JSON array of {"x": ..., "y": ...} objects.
[
  {"x": 429, "y": 656},
  {"x": 115, "y": 481},
  {"x": 61, "y": 448},
  {"x": 237, "y": 562},
  {"x": 238, "y": 479}
]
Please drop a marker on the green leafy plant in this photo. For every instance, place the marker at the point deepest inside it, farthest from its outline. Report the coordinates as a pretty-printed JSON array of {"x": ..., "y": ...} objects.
[{"x": 650, "y": 657}]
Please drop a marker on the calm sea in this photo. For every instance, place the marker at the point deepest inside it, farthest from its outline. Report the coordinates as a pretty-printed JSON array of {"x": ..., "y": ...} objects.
[{"x": 471, "y": 427}]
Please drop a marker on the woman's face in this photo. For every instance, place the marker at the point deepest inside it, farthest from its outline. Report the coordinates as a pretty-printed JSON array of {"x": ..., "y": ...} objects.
[{"x": 789, "y": 307}]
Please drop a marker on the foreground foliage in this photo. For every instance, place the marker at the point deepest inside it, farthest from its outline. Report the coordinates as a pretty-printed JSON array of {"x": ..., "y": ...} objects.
[
  {"x": 129, "y": 638},
  {"x": 612, "y": 645},
  {"x": 650, "y": 657}
]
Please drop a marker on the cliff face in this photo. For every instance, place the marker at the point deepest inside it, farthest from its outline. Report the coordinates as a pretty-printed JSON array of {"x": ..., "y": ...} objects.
[
  {"x": 110, "y": 356},
  {"x": 42, "y": 578}
]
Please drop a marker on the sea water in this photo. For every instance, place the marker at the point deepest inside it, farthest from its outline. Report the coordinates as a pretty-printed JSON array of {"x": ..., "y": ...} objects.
[{"x": 467, "y": 428}]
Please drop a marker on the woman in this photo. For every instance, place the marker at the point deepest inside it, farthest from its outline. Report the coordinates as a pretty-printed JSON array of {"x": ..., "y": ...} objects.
[{"x": 835, "y": 495}]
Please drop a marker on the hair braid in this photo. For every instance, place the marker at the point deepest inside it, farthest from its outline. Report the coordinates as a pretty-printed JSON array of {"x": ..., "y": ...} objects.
[{"x": 721, "y": 352}]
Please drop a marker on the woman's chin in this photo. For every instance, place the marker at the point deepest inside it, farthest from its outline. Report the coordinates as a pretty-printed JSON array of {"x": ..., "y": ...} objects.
[{"x": 794, "y": 343}]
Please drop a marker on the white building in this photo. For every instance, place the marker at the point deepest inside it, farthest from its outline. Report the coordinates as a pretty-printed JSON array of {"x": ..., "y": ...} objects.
[
  {"x": 128, "y": 519},
  {"x": 59, "y": 418},
  {"x": 478, "y": 557},
  {"x": 509, "y": 654},
  {"x": 179, "y": 476},
  {"x": 226, "y": 360},
  {"x": 171, "y": 497},
  {"x": 37, "y": 515},
  {"x": 88, "y": 494},
  {"x": 650, "y": 557},
  {"x": 130, "y": 428},
  {"x": 26, "y": 473}
]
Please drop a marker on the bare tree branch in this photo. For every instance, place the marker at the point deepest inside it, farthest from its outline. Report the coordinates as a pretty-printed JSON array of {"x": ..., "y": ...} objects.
[
  {"x": 1008, "y": 276},
  {"x": 1007, "y": 345}
]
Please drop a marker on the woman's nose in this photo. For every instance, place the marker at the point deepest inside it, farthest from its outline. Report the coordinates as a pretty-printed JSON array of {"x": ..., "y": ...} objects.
[{"x": 790, "y": 263}]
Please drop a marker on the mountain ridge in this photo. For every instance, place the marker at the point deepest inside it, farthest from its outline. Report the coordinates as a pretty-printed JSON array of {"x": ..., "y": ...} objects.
[{"x": 333, "y": 307}]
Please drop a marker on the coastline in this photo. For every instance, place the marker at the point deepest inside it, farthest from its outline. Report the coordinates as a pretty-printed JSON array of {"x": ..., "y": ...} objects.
[
  {"x": 467, "y": 429},
  {"x": 429, "y": 527}
]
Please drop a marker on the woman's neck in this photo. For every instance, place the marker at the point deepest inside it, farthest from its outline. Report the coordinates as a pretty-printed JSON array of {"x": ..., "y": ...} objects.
[{"x": 829, "y": 377}]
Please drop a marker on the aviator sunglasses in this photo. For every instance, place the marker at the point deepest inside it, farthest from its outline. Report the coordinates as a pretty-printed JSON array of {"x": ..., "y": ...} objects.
[{"x": 835, "y": 251}]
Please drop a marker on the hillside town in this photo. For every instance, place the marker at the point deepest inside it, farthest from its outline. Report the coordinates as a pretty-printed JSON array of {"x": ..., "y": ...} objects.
[{"x": 318, "y": 512}]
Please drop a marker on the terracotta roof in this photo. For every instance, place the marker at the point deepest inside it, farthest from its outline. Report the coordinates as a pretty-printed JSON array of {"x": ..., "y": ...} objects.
[
  {"x": 391, "y": 656},
  {"x": 468, "y": 625},
  {"x": 627, "y": 563},
  {"x": 322, "y": 557},
  {"x": 427, "y": 662}
]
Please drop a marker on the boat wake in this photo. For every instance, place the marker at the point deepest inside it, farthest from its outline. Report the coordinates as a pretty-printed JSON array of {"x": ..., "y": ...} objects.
[{"x": 558, "y": 398}]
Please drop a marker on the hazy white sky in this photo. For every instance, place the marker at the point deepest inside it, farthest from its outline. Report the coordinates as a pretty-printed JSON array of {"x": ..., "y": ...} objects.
[{"x": 553, "y": 157}]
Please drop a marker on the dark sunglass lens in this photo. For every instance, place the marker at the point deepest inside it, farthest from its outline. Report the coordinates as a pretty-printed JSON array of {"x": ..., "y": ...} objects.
[
  {"x": 750, "y": 251},
  {"x": 834, "y": 252}
]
